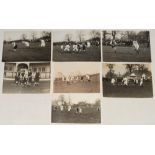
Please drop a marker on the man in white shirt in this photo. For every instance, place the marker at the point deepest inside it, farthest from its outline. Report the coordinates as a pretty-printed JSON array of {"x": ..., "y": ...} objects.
[
  {"x": 136, "y": 46},
  {"x": 43, "y": 44},
  {"x": 67, "y": 48}
]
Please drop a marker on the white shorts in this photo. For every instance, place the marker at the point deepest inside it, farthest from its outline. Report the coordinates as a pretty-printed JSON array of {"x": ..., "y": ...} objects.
[{"x": 66, "y": 49}]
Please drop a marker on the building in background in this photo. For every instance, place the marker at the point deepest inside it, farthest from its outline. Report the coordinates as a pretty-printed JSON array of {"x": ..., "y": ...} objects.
[{"x": 10, "y": 69}]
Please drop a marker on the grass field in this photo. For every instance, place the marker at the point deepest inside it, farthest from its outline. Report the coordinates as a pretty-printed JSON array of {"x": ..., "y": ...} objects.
[
  {"x": 78, "y": 87},
  {"x": 126, "y": 54},
  {"x": 91, "y": 54},
  {"x": 130, "y": 91},
  {"x": 32, "y": 53},
  {"x": 89, "y": 115},
  {"x": 10, "y": 87}
]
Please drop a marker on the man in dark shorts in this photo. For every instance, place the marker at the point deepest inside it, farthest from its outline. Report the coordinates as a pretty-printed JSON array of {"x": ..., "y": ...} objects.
[
  {"x": 113, "y": 45},
  {"x": 37, "y": 78},
  {"x": 29, "y": 77}
]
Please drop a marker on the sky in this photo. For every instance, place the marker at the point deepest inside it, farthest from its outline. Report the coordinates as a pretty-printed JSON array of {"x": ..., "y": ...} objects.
[
  {"x": 59, "y": 36},
  {"x": 75, "y": 98},
  {"x": 15, "y": 35},
  {"x": 119, "y": 68},
  {"x": 74, "y": 68}
]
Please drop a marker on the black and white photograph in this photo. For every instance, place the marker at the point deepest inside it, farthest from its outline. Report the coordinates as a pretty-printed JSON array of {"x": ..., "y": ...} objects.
[
  {"x": 76, "y": 108},
  {"x": 19, "y": 46},
  {"x": 26, "y": 77},
  {"x": 76, "y": 45},
  {"x": 127, "y": 80},
  {"x": 126, "y": 46},
  {"x": 76, "y": 77}
]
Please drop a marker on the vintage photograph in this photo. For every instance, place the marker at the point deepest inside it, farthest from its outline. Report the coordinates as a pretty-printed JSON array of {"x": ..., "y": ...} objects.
[
  {"x": 76, "y": 45},
  {"x": 26, "y": 77},
  {"x": 126, "y": 46},
  {"x": 127, "y": 80},
  {"x": 76, "y": 77},
  {"x": 19, "y": 46},
  {"x": 76, "y": 108}
]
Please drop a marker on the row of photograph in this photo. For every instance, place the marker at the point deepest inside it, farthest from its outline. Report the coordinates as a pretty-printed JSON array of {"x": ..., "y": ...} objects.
[
  {"x": 110, "y": 79},
  {"x": 77, "y": 45}
]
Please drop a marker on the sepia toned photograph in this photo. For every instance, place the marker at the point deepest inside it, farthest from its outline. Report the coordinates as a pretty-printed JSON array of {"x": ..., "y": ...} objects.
[
  {"x": 77, "y": 77},
  {"x": 26, "y": 77},
  {"x": 127, "y": 80},
  {"x": 19, "y": 46},
  {"x": 126, "y": 46},
  {"x": 76, "y": 108},
  {"x": 76, "y": 45}
]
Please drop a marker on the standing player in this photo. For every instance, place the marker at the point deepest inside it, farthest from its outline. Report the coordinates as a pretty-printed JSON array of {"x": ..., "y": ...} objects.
[
  {"x": 113, "y": 81},
  {"x": 79, "y": 47},
  {"x": 29, "y": 77},
  {"x": 88, "y": 77},
  {"x": 62, "y": 48},
  {"x": 75, "y": 48},
  {"x": 16, "y": 78},
  {"x": 141, "y": 82},
  {"x": 37, "y": 78},
  {"x": 42, "y": 43},
  {"x": 67, "y": 48},
  {"x": 88, "y": 44},
  {"x": 136, "y": 46},
  {"x": 26, "y": 43},
  {"x": 84, "y": 47},
  {"x": 125, "y": 81},
  {"x": 113, "y": 45}
]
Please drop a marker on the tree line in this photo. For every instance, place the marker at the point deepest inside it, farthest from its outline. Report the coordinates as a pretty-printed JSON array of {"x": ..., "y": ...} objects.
[
  {"x": 130, "y": 68},
  {"x": 124, "y": 36},
  {"x": 45, "y": 35}
]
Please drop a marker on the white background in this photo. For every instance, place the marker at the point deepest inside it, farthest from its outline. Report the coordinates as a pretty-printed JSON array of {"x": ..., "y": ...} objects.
[{"x": 77, "y": 139}]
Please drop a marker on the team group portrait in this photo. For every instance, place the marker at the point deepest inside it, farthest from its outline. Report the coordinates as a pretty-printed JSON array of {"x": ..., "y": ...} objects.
[
  {"x": 77, "y": 77},
  {"x": 26, "y": 77},
  {"x": 76, "y": 45},
  {"x": 76, "y": 108},
  {"x": 19, "y": 46},
  {"x": 126, "y": 46},
  {"x": 127, "y": 80}
]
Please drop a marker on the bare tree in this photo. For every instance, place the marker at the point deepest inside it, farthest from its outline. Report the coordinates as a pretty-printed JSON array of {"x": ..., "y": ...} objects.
[
  {"x": 147, "y": 37},
  {"x": 111, "y": 72},
  {"x": 33, "y": 35},
  {"x": 113, "y": 33},
  {"x": 62, "y": 99},
  {"x": 143, "y": 37},
  {"x": 131, "y": 35},
  {"x": 130, "y": 67},
  {"x": 110, "y": 66},
  {"x": 94, "y": 34},
  {"x": 142, "y": 68},
  {"x": 23, "y": 36},
  {"x": 46, "y": 34},
  {"x": 80, "y": 36},
  {"x": 68, "y": 37},
  {"x": 124, "y": 34},
  {"x": 104, "y": 35}
]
